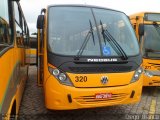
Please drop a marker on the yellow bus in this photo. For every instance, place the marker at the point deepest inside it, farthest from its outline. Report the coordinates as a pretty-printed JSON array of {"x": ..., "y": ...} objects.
[
  {"x": 88, "y": 57},
  {"x": 147, "y": 28},
  {"x": 14, "y": 40}
]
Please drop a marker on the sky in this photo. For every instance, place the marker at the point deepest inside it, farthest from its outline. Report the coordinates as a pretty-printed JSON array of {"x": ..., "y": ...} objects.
[{"x": 32, "y": 8}]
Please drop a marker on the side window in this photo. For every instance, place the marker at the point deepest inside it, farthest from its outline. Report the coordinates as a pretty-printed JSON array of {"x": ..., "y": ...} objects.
[
  {"x": 19, "y": 26},
  {"x": 4, "y": 32},
  {"x": 5, "y": 29}
]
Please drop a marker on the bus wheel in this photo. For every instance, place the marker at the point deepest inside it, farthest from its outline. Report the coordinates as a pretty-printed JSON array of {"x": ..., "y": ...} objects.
[{"x": 13, "y": 112}]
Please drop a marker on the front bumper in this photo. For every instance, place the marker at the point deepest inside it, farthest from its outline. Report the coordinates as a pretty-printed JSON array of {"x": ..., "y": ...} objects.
[{"x": 61, "y": 97}]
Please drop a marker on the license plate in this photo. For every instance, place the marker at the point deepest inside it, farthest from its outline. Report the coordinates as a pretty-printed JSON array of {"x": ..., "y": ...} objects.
[{"x": 103, "y": 95}]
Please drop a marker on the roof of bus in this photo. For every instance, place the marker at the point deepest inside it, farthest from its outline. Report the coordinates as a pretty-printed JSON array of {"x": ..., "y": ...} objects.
[
  {"x": 81, "y": 5},
  {"x": 134, "y": 17},
  {"x": 141, "y": 14}
]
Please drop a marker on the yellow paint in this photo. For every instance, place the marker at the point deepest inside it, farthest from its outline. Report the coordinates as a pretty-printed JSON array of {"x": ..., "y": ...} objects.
[
  {"x": 33, "y": 51},
  {"x": 5, "y": 72},
  {"x": 94, "y": 79},
  {"x": 153, "y": 106},
  {"x": 56, "y": 95},
  {"x": 31, "y": 56}
]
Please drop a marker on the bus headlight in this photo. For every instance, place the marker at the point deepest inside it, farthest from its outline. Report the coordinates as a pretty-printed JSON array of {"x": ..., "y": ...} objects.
[
  {"x": 137, "y": 74},
  {"x": 61, "y": 77},
  {"x": 148, "y": 73},
  {"x": 56, "y": 72}
]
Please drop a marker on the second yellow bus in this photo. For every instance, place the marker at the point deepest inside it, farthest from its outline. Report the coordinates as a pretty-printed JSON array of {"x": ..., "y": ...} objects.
[{"x": 147, "y": 28}]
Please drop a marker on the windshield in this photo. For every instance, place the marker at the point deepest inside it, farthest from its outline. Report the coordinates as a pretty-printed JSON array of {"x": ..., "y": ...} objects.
[
  {"x": 68, "y": 29},
  {"x": 151, "y": 41}
]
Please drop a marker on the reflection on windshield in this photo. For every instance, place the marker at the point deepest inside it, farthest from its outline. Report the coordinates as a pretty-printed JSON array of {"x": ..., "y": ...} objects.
[
  {"x": 89, "y": 34},
  {"x": 114, "y": 44},
  {"x": 4, "y": 32},
  {"x": 69, "y": 26},
  {"x": 151, "y": 41}
]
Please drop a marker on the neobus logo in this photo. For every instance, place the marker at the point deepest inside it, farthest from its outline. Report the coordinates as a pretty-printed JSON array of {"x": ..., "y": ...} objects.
[{"x": 102, "y": 60}]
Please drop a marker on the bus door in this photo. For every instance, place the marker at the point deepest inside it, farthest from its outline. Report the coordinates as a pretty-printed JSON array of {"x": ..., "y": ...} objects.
[
  {"x": 32, "y": 50},
  {"x": 40, "y": 37}
]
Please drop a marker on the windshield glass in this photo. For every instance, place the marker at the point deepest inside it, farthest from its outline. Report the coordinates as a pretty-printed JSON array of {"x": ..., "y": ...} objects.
[
  {"x": 69, "y": 26},
  {"x": 151, "y": 41}
]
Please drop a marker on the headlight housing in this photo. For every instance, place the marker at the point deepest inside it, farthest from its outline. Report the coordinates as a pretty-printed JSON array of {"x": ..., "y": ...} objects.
[
  {"x": 148, "y": 73},
  {"x": 137, "y": 74},
  {"x": 61, "y": 76}
]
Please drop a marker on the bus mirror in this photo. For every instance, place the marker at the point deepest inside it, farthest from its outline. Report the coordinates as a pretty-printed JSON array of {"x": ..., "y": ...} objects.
[
  {"x": 141, "y": 30},
  {"x": 40, "y": 22}
]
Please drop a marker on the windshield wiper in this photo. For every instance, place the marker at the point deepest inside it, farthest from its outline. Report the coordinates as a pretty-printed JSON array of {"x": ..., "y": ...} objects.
[
  {"x": 114, "y": 44},
  {"x": 90, "y": 32}
]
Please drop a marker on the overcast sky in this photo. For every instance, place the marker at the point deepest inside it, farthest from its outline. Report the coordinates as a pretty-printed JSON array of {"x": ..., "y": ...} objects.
[{"x": 32, "y": 8}]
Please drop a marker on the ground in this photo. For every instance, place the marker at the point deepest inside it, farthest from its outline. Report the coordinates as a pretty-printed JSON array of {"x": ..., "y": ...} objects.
[{"x": 32, "y": 106}]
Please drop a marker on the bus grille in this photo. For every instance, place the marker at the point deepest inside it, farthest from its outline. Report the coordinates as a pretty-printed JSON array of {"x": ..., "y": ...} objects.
[
  {"x": 91, "y": 99},
  {"x": 108, "y": 69}
]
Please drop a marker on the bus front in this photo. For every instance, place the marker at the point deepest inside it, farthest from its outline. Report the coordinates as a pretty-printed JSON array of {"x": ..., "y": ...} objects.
[
  {"x": 91, "y": 58},
  {"x": 150, "y": 44}
]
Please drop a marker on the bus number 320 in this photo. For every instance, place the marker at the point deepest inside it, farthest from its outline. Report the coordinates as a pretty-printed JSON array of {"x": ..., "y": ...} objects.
[{"x": 81, "y": 79}]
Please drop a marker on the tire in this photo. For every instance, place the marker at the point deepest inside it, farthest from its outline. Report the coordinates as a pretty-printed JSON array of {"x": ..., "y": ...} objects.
[{"x": 13, "y": 115}]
